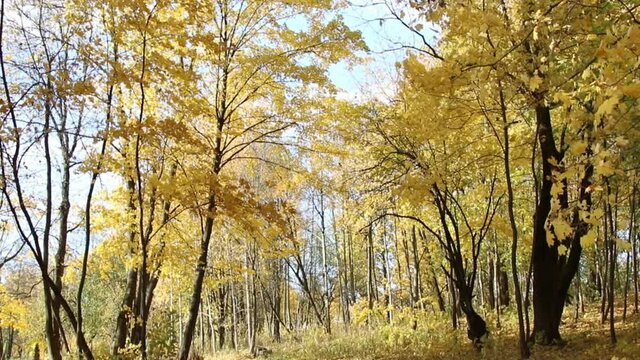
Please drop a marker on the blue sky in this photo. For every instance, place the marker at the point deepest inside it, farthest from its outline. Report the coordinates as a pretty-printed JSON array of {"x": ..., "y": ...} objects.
[{"x": 381, "y": 36}]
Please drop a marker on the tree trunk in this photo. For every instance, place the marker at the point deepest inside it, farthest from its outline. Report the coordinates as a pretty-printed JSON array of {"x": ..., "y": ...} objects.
[
  {"x": 496, "y": 281},
  {"x": 7, "y": 346},
  {"x": 386, "y": 268},
  {"x": 476, "y": 326},
  {"x": 51, "y": 323},
  {"x": 524, "y": 349},
  {"x": 250, "y": 299},
  {"x": 287, "y": 298},
  {"x": 548, "y": 299},
  {"x": 410, "y": 275},
  {"x": 634, "y": 247},
  {"x": 120, "y": 338},
  {"x": 503, "y": 283},
  {"x": 416, "y": 268},
  {"x": 552, "y": 272},
  {"x": 62, "y": 244},
  {"x": 547, "y": 302},
  {"x": 276, "y": 299},
  {"x": 196, "y": 294},
  {"x": 126, "y": 308},
  {"x": 326, "y": 297},
  {"x": 603, "y": 271},
  {"x": 370, "y": 288},
  {"x": 234, "y": 315},
  {"x": 492, "y": 281},
  {"x": 626, "y": 287},
  {"x": 454, "y": 304},
  {"x": 352, "y": 282},
  {"x": 611, "y": 240}
]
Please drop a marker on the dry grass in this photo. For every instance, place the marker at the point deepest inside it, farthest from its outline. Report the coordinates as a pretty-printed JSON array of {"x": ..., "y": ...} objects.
[{"x": 586, "y": 339}]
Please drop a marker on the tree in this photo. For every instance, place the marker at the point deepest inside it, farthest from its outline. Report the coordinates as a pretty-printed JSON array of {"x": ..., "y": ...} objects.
[{"x": 254, "y": 52}]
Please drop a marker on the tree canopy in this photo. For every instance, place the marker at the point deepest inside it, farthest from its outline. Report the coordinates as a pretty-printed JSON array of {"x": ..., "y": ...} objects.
[{"x": 193, "y": 179}]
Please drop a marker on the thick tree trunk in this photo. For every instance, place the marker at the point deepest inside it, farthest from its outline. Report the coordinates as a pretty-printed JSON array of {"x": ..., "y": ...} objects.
[
  {"x": 548, "y": 300},
  {"x": 476, "y": 326},
  {"x": 553, "y": 272}
]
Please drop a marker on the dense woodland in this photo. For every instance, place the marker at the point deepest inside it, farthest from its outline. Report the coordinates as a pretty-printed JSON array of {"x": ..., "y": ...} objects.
[{"x": 184, "y": 179}]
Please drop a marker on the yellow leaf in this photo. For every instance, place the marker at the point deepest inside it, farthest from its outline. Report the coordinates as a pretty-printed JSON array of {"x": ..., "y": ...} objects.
[
  {"x": 605, "y": 108},
  {"x": 601, "y": 51},
  {"x": 623, "y": 245},
  {"x": 634, "y": 34},
  {"x": 562, "y": 250},
  {"x": 561, "y": 228},
  {"x": 557, "y": 189},
  {"x": 604, "y": 168},
  {"x": 549, "y": 237},
  {"x": 578, "y": 147},
  {"x": 535, "y": 82},
  {"x": 621, "y": 141},
  {"x": 589, "y": 238},
  {"x": 632, "y": 90}
]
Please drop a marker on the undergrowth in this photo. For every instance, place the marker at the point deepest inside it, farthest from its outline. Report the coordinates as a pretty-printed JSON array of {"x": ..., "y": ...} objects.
[{"x": 434, "y": 338}]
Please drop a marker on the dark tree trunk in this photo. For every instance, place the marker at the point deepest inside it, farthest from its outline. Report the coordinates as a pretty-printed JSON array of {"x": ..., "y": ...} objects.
[
  {"x": 553, "y": 272},
  {"x": 454, "y": 306},
  {"x": 476, "y": 326},
  {"x": 503, "y": 283},
  {"x": 436, "y": 286}
]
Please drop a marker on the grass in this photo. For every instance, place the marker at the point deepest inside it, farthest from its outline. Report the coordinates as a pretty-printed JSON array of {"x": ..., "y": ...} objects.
[{"x": 586, "y": 338}]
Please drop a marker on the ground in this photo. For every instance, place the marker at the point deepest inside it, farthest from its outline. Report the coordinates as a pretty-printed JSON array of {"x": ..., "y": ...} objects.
[{"x": 586, "y": 338}]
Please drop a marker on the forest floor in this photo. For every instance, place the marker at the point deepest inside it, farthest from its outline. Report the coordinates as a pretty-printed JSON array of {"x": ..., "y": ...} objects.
[{"x": 586, "y": 338}]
